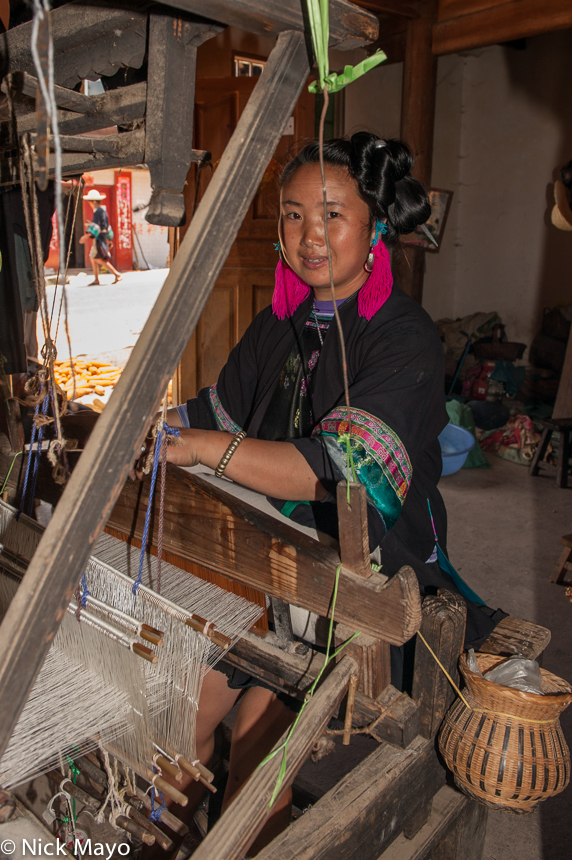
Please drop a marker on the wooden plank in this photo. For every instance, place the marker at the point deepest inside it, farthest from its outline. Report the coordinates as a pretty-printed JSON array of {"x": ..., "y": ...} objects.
[
  {"x": 235, "y": 831},
  {"x": 172, "y": 59},
  {"x": 64, "y": 97},
  {"x": 123, "y": 150},
  {"x": 81, "y": 154},
  {"x": 448, "y": 815},
  {"x": 366, "y": 810},
  {"x": 417, "y": 124},
  {"x": 443, "y": 627},
  {"x": 116, "y": 37},
  {"x": 353, "y": 530},
  {"x": 206, "y": 525},
  {"x": 392, "y": 7},
  {"x": 295, "y": 670},
  {"x": 37, "y": 609},
  {"x": 350, "y": 26},
  {"x": 116, "y": 107},
  {"x": 515, "y": 636},
  {"x": 466, "y": 838},
  {"x": 457, "y": 8},
  {"x": 518, "y": 19}
]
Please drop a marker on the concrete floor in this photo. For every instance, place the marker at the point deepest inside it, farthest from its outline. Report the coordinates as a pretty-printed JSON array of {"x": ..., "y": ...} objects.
[
  {"x": 504, "y": 538},
  {"x": 504, "y": 532}
]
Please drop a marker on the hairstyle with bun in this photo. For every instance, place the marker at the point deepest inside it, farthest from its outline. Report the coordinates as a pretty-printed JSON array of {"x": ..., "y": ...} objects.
[{"x": 381, "y": 169}]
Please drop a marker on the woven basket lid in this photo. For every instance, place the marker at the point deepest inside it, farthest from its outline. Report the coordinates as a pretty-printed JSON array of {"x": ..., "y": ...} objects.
[{"x": 507, "y": 700}]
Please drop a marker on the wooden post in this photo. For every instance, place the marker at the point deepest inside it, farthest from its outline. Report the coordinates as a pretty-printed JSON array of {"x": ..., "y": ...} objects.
[
  {"x": 443, "y": 627},
  {"x": 417, "y": 122},
  {"x": 352, "y": 520},
  {"x": 245, "y": 817},
  {"x": 173, "y": 43},
  {"x": 38, "y": 607},
  {"x": 372, "y": 657}
]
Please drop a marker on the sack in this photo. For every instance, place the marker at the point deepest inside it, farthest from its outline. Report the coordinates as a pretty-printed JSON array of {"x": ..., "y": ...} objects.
[
  {"x": 110, "y": 233},
  {"x": 93, "y": 230}
]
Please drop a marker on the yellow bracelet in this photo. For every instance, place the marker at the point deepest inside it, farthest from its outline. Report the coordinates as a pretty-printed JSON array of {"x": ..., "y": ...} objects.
[{"x": 225, "y": 459}]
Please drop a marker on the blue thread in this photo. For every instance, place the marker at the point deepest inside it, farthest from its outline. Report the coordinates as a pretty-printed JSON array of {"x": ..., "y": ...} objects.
[
  {"x": 38, "y": 455},
  {"x": 277, "y": 246},
  {"x": 380, "y": 230},
  {"x": 155, "y": 814},
  {"x": 169, "y": 431},
  {"x": 86, "y": 593},
  {"x": 30, "y": 457}
]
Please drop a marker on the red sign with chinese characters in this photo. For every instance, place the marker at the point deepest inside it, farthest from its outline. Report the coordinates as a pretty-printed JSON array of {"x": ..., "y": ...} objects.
[{"x": 123, "y": 218}]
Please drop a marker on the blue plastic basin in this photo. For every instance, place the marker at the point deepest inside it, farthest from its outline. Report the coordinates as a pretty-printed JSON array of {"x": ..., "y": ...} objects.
[{"x": 456, "y": 442}]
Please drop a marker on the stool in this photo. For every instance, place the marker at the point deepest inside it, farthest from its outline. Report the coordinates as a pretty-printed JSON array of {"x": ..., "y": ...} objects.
[
  {"x": 563, "y": 564},
  {"x": 564, "y": 427}
]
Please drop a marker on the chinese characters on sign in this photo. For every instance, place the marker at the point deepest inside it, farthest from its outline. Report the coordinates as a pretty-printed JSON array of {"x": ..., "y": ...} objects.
[{"x": 123, "y": 211}]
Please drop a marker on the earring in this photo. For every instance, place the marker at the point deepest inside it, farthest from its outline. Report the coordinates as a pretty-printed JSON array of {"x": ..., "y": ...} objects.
[{"x": 368, "y": 265}]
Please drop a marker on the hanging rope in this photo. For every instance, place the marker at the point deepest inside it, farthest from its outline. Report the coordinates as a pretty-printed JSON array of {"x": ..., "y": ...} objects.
[{"x": 163, "y": 434}]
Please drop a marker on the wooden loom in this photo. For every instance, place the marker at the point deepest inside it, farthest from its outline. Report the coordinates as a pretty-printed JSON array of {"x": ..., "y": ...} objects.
[{"x": 205, "y": 526}]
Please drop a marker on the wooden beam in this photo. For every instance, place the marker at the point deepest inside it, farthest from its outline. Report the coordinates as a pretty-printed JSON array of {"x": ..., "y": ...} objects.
[
  {"x": 214, "y": 529},
  {"x": 116, "y": 107},
  {"x": 353, "y": 530},
  {"x": 455, "y": 830},
  {"x": 64, "y": 97},
  {"x": 391, "y": 39},
  {"x": 293, "y": 673},
  {"x": 504, "y": 22},
  {"x": 373, "y": 658},
  {"x": 417, "y": 123},
  {"x": 443, "y": 627},
  {"x": 235, "y": 831},
  {"x": 81, "y": 154},
  {"x": 366, "y": 810},
  {"x": 350, "y": 26},
  {"x": 116, "y": 37},
  {"x": 172, "y": 59},
  {"x": 40, "y": 603},
  {"x": 119, "y": 150},
  {"x": 391, "y": 7}
]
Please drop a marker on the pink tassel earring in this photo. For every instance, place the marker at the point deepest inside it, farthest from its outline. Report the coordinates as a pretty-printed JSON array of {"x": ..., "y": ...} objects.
[
  {"x": 377, "y": 288},
  {"x": 289, "y": 290}
]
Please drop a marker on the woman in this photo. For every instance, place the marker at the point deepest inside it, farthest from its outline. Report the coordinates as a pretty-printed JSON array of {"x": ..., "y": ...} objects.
[
  {"x": 98, "y": 230},
  {"x": 283, "y": 384}
]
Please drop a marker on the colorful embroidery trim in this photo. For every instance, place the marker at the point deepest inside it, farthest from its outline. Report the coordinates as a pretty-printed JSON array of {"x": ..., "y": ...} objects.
[
  {"x": 222, "y": 418},
  {"x": 378, "y": 440}
]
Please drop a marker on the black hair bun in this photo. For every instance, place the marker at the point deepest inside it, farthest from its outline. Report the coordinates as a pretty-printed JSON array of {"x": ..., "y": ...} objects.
[{"x": 382, "y": 170}]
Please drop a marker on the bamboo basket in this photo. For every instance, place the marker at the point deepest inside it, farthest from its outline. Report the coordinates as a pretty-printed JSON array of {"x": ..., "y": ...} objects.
[{"x": 506, "y": 747}]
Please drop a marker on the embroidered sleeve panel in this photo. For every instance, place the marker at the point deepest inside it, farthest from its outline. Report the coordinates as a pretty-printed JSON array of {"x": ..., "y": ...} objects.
[
  {"x": 380, "y": 459},
  {"x": 222, "y": 418}
]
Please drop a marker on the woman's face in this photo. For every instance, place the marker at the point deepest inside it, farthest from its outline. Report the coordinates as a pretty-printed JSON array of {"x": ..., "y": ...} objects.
[{"x": 303, "y": 236}]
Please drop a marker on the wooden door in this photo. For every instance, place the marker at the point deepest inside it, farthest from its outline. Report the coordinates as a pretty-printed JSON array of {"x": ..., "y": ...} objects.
[{"x": 246, "y": 281}]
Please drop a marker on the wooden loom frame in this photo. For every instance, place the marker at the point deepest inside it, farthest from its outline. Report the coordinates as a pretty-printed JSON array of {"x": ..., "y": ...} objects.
[{"x": 296, "y": 571}]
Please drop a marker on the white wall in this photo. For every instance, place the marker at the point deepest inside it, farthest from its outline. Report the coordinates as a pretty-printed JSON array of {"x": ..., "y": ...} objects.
[{"x": 503, "y": 127}]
